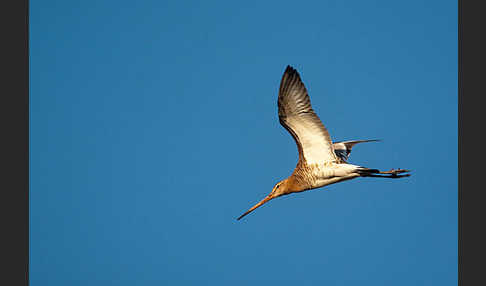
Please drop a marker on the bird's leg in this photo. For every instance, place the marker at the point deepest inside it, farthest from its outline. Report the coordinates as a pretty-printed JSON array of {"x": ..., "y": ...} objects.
[
  {"x": 391, "y": 176},
  {"x": 395, "y": 172}
]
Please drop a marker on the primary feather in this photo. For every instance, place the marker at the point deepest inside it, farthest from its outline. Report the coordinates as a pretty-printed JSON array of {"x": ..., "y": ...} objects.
[{"x": 297, "y": 116}]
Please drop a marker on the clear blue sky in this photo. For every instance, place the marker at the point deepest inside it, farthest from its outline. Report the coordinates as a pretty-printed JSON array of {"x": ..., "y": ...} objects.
[{"x": 154, "y": 126}]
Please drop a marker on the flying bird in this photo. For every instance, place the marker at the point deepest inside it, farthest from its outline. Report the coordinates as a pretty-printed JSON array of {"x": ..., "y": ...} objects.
[{"x": 321, "y": 162}]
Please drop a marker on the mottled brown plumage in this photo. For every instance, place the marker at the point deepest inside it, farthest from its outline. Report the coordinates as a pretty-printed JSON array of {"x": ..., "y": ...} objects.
[{"x": 320, "y": 162}]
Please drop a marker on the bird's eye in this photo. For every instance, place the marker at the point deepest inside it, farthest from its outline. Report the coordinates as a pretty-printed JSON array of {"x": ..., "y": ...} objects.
[{"x": 278, "y": 186}]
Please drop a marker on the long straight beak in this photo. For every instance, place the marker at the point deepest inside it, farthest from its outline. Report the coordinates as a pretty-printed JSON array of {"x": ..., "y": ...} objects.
[{"x": 269, "y": 197}]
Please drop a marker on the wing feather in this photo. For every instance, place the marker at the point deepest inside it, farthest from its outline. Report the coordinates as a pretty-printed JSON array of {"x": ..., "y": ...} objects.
[
  {"x": 297, "y": 116},
  {"x": 343, "y": 148}
]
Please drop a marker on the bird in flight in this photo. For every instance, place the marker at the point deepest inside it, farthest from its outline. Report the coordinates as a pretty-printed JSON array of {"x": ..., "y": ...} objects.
[{"x": 321, "y": 162}]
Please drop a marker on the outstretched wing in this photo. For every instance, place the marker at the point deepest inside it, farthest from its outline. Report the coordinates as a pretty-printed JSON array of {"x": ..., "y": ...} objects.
[
  {"x": 343, "y": 148},
  {"x": 297, "y": 116}
]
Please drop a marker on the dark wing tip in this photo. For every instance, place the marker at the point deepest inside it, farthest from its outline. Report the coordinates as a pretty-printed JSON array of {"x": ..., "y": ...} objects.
[
  {"x": 290, "y": 78},
  {"x": 290, "y": 70}
]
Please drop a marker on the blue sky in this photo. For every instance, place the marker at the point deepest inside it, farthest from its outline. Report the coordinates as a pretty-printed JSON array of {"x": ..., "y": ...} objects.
[{"x": 153, "y": 126}]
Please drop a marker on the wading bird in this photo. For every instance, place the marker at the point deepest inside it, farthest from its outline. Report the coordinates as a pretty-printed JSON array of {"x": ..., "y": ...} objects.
[{"x": 321, "y": 162}]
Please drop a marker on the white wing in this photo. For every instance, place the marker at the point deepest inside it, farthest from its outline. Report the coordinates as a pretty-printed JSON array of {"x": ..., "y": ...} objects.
[{"x": 297, "y": 116}]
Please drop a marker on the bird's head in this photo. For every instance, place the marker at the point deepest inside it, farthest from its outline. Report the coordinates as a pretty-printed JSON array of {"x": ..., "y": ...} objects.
[{"x": 281, "y": 188}]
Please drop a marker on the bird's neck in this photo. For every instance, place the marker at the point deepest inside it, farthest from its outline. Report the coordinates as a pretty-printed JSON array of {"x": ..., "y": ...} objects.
[{"x": 296, "y": 183}]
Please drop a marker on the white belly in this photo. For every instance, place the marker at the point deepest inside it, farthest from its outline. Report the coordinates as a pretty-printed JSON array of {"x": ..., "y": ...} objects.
[{"x": 329, "y": 174}]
